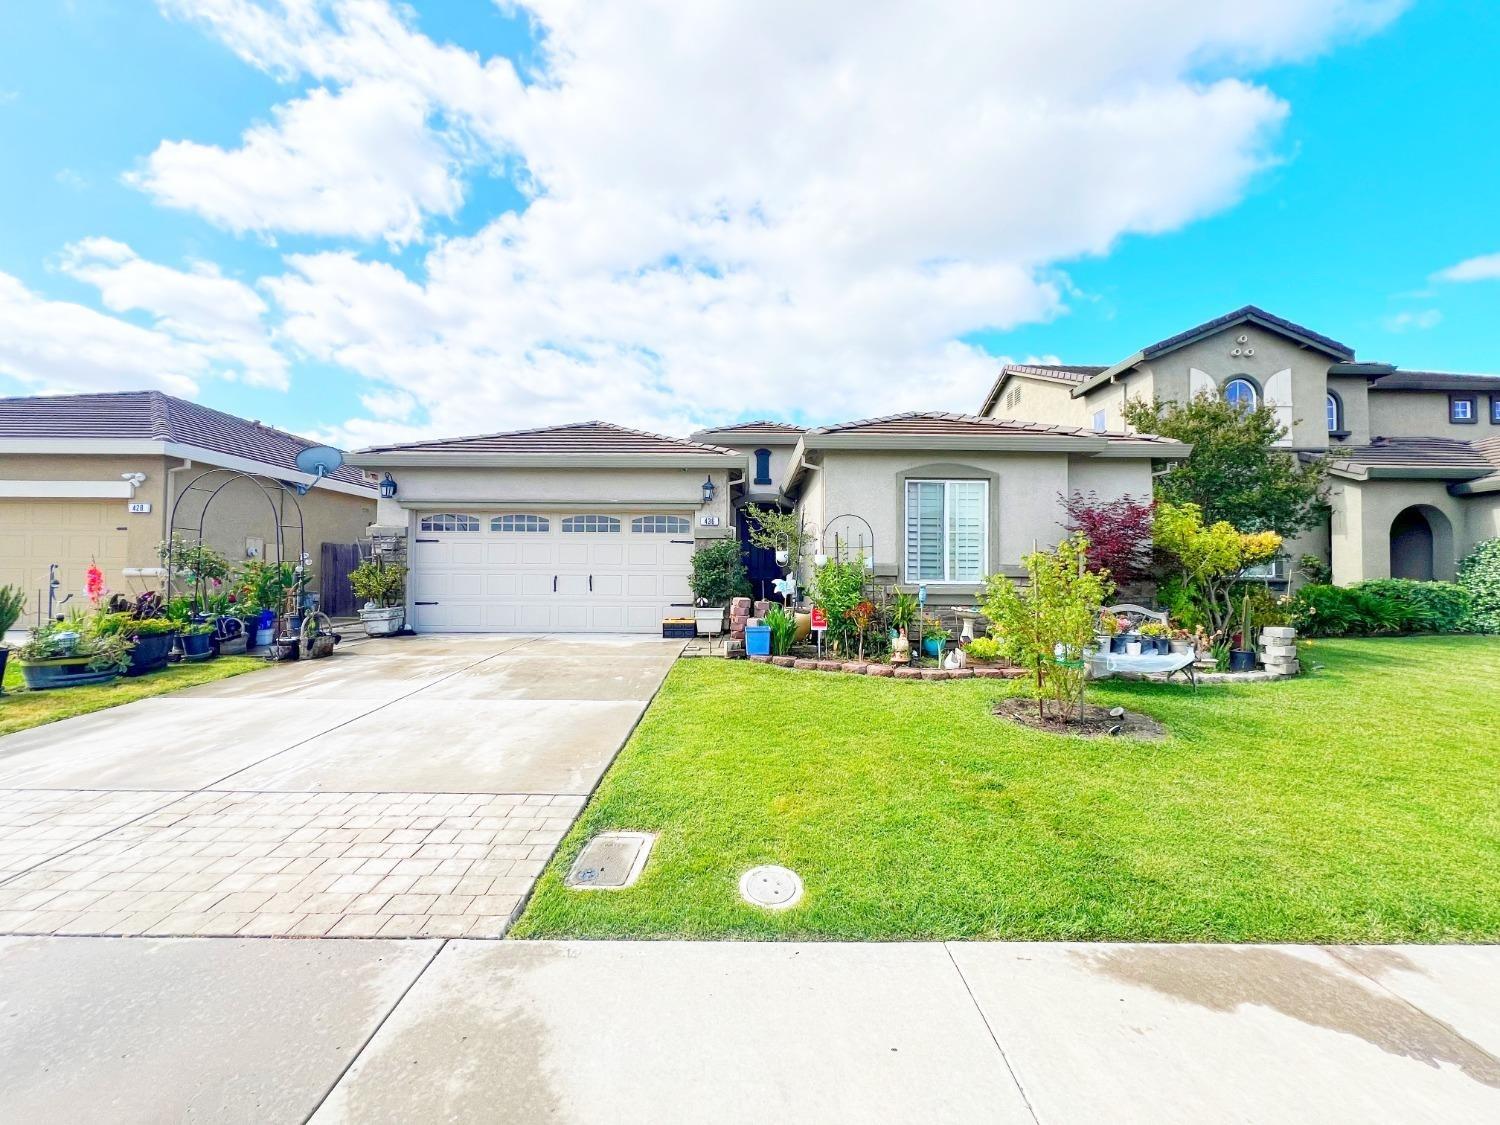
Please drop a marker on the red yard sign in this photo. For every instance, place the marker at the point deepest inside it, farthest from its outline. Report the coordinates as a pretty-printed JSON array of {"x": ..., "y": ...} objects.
[{"x": 819, "y": 619}]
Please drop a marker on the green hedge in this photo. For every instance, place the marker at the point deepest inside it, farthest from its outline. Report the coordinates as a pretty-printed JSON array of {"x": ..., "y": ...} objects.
[
  {"x": 1479, "y": 574},
  {"x": 1383, "y": 605}
]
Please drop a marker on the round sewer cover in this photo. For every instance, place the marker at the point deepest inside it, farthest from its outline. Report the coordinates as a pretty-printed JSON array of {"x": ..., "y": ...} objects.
[{"x": 771, "y": 887}]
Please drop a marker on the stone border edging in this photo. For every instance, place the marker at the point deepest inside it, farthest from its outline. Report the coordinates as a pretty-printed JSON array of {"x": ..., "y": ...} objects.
[{"x": 856, "y": 668}]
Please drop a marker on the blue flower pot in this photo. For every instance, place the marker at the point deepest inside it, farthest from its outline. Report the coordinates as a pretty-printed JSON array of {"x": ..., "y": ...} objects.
[{"x": 932, "y": 647}]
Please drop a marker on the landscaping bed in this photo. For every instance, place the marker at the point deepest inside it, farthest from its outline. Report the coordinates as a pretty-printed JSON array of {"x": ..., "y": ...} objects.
[{"x": 1358, "y": 803}]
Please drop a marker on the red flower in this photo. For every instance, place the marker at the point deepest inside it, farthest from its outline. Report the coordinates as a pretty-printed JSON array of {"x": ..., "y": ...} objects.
[{"x": 95, "y": 583}]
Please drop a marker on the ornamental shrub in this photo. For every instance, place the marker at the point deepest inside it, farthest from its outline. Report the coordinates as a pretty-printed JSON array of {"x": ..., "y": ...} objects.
[
  {"x": 1479, "y": 575},
  {"x": 837, "y": 588},
  {"x": 1421, "y": 607},
  {"x": 719, "y": 573},
  {"x": 984, "y": 648},
  {"x": 1381, "y": 606}
]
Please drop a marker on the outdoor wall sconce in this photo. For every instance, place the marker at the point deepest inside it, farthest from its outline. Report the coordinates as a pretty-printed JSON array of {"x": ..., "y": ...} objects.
[
  {"x": 708, "y": 490},
  {"x": 387, "y": 487}
]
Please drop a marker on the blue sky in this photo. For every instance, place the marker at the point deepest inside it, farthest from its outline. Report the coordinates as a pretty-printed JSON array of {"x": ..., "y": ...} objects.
[{"x": 666, "y": 283}]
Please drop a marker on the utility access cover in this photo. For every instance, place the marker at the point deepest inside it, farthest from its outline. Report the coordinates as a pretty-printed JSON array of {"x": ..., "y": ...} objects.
[
  {"x": 610, "y": 860},
  {"x": 771, "y": 887}
]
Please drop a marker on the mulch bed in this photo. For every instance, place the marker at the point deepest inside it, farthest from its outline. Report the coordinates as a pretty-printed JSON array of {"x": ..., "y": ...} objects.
[{"x": 1096, "y": 721}]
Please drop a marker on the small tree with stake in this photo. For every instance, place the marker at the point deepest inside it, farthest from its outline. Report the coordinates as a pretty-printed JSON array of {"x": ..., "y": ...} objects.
[{"x": 1045, "y": 625}]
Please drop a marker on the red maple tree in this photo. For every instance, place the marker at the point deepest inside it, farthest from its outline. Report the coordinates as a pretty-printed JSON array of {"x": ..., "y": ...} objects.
[{"x": 1118, "y": 531}]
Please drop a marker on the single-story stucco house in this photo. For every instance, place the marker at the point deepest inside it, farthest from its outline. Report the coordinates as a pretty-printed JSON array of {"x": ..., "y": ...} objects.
[
  {"x": 592, "y": 527},
  {"x": 96, "y": 477}
]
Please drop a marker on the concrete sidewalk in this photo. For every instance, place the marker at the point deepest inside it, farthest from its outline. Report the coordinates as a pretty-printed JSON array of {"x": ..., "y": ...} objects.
[{"x": 659, "y": 1032}]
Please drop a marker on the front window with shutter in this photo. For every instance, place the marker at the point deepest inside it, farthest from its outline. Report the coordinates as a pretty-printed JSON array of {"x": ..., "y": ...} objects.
[{"x": 947, "y": 530}]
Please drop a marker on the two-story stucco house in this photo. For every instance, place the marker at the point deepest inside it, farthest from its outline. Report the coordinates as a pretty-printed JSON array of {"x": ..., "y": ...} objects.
[{"x": 1415, "y": 478}]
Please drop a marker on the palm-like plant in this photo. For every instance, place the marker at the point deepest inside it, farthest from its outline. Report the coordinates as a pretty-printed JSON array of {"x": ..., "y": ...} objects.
[{"x": 12, "y": 600}]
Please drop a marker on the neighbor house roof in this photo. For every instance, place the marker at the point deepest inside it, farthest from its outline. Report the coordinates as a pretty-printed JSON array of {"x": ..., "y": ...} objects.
[
  {"x": 936, "y": 423},
  {"x": 154, "y": 416},
  {"x": 578, "y": 444},
  {"x": 760, "y": 432},
  {"x": 760, "y": 427},
  {"x": 1441, "y": 458},
  {"x": 1402, "y": 380},
  {"x": 1057, "y": 372},
  {"x": 1248, "y": 314}
]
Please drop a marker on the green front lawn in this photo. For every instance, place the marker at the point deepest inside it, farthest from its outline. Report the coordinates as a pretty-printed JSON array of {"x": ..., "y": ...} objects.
[
  {"x": 21, "y": 709},
  {"x": 1359, "y": 803}
]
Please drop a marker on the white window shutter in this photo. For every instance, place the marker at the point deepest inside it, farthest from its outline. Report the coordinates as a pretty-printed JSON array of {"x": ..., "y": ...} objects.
[
  {"x": 1278, "y": 392},
  {"x": 1200, "y": 381}
]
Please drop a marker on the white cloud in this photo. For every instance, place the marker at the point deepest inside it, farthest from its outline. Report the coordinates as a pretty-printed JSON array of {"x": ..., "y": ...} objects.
[
  {"x": 58, "y": 346},
  {"x": 773, "y": 207},
  {"x": 1485, "y": 267},
  {"x": 204, "y": 325},
  {"x": 1413, "y": 320},
  {"x": 358, "y": 162}
]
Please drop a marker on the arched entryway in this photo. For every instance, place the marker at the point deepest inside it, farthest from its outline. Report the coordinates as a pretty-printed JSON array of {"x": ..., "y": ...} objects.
[{"x": 1415, "y": 534}]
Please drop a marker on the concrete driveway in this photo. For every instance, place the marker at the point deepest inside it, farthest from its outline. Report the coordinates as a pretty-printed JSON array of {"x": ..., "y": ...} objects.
[{"x": 410, "y": 787}]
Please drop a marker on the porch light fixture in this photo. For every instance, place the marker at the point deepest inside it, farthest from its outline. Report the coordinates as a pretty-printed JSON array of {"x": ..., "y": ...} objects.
[
  {"x": 387, "y": 487},
  {"x": 708, "y": 490}
]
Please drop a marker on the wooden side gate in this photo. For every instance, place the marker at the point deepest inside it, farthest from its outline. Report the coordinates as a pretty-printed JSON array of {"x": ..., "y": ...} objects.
[{"x": 334, "y": 596}]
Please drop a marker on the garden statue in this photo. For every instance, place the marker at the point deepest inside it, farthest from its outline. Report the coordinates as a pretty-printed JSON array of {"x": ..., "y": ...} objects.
[
  {"x": 955, "y": 660},
  {"x": 900, "y": 649}
]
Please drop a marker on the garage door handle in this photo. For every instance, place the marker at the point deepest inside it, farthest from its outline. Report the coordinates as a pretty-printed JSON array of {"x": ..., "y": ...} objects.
[
  {"x": 426, "y": 603},
  {"x": 554, "y": 583},
  {"x": 427, "y": 540},
  {"x": 591, "y": 583},
  {"x": 688, "y": 542}
]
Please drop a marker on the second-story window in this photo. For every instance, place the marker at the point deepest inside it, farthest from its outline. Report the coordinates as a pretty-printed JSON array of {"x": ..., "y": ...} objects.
[
  {"x": 1240, "y": 393},
  {"x": 1463, "y": 409},
  {"x": 762, "y": 466},
  {"x": 1335, "y": 414}
]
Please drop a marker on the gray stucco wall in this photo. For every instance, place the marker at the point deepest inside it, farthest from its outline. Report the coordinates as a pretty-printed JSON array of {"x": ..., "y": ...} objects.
[
  {"x": 1362, "y": 515},
  {"x": 1425, "y": 414},
  {"x": 1023, "y": 496}
]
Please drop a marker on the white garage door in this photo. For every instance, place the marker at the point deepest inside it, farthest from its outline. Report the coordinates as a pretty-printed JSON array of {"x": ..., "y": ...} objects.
[
  {"x": 572, "y": 572},
  {"x": 72, "y": 533}
]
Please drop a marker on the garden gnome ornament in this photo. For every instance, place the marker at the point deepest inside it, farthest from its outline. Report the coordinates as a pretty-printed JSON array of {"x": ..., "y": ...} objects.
[{"x": 900, "y": 649}]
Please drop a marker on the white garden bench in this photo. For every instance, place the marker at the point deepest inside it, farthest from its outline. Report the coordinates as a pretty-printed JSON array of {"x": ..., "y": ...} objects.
[{"x": 1108, "y": 663}]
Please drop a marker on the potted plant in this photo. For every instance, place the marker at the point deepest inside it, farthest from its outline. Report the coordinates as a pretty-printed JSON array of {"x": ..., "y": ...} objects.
[
  {"x": 934, "y": 637},
  {"x": 1156, "y": 634},
  {"x": 1242, "y": 659},
  {"x": 718, "y": 575},
  {"x": 903, "y": 613},
  {"x": 12, "y": 600},
  {"x": 1104, "y": 633},
  {"x": 783, "y": 626},
  {"x": 382, "y": 588},
  {"x": 1123, "y": 635},
  {"x": 72, "y": 653},
  {"x": 1180, "y": 642},
  {"x": 197, "y": 640}
]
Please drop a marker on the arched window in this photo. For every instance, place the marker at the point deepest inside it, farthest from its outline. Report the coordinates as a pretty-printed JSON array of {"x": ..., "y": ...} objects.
[
  {"x": 447, "y": 521},
  {"x": 1335, "y": 414},
  {"x": 1240, "y": 393},
  {"x": 762, "y": 466},
  {"x": 526, "y": 523}
]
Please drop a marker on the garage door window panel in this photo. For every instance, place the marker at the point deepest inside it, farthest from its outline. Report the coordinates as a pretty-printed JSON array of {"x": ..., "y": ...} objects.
[
  {"x": 449, "y": 522},
  {"x": 590, "y": 525},
  {"x": 521, "y": 525},
  {"x": 660, "y": 525}
]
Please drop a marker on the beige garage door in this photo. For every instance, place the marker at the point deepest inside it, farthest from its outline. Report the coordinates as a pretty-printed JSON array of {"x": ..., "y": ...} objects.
[
  {"x": 72, "y": 533},
  {"x": 553, "y": 572}
]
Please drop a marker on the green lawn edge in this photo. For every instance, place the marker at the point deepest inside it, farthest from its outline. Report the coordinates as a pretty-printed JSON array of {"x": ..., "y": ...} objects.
[
  {"x": 1358, "y": 803},
  {"x": 24, "y": 710}
]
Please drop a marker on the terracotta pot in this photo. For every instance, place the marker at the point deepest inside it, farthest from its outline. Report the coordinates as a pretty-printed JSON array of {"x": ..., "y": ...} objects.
[{"x": 804, "y": 627}]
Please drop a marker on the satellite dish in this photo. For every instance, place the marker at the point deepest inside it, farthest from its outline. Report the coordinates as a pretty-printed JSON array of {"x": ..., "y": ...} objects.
[{"x": 317, "y": 461}]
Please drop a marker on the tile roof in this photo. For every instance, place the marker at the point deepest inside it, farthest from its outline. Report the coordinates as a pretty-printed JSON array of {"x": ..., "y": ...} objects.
[
  {"x": 938, "y": 424},
  {"x": 1248, "y": 313},
  {"x": 573, "y": 438},
  {"x": 761, "y": 426},
  {"x": 1422, "y": 453},
  {"x": 155, "y": 416},
  {"x": 1403, "y": 380},
  {"x": 1067, "y": 373}
]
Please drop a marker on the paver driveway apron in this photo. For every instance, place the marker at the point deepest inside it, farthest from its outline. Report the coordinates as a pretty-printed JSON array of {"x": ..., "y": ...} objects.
[{"x": 404, "y": 788}]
